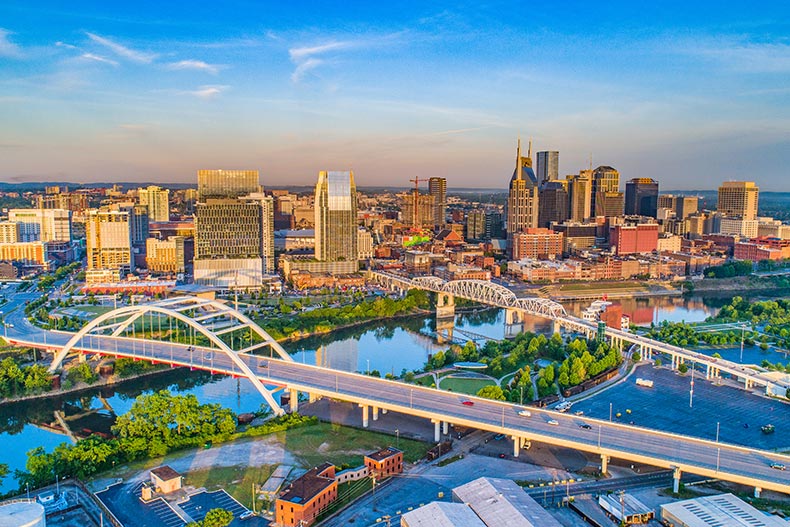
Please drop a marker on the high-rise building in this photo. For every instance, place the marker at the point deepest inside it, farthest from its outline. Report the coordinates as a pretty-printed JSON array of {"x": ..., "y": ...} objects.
[
  {"x": 418, "y": 210},
  {"x": 522, "y": 202},
  {"x": 475, "y": 225},
  {"x": 631, "y": 238},
  {"x": 548, "y": 165},
  {"x": 266, "y": 204},
  {"x": 165, "y": 256},
  {"x": 609, "y": 204},
  {"x": 108, "y": 243},
  {"x": 685, "y": 206},
  {"x": 604, "y": 179},
  {"x": 157, "y": 200},
  {"x": 738, "y": 198},
  {"x": 42, "y": 225},
  {"x": 579, "y": 195},
  {"x": 228, "y": 239},
  {"x": 336, "y": 217},
  {"x": 9, "y": 232},
  {"x": 216, "y": 184},
  {"x": 437, "y": 187},
  {"x": 553, "y": 203},
  {"x": 641, "y": 197},
  {"x": 493, "y": 229}
]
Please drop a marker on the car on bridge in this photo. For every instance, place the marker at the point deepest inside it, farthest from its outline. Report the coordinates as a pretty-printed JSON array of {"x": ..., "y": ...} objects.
[
  {"x": 467, "y": 403},
  {"x": 585, "y": 426},
  {"x": 525, "y": 413},
  {"x": 553, "y": 422},
  {"x": 778, "y": 466}
]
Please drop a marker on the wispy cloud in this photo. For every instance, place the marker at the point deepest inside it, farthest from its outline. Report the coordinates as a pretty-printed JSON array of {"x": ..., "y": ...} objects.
[
  {"x": 8, "y": 48},
  {"x": 65, "y": 45},
  {"x": 306, "y": 60},
  {"x": 208, "y": 92},
  {"x": 123, "y": 51},
  {"x": 197, "y": 65},
  {"x": 741, "y": 55},
  {"x": 98, "y": 58}
]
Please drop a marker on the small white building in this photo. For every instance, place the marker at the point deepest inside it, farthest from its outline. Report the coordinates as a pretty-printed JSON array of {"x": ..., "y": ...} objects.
[{"x": 722, "y": 509}]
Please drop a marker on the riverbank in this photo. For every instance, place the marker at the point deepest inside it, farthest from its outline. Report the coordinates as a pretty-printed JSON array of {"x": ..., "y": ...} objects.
[{"x": 736, "y": 284}]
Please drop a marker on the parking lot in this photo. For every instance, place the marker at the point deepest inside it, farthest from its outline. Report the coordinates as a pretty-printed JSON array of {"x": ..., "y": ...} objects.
[
  {"x": 124, "y": 502},
  {"x": 199, "y": 504},
  {"x": 740, "y": 414}
]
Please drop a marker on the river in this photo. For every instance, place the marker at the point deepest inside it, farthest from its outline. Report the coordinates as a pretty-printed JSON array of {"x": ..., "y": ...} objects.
[{"x": 388, "y": 347}]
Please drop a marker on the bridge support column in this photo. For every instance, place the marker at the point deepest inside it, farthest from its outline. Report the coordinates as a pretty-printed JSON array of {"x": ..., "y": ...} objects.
[
  {"x": 445, "y": 306},
  {"x": 437, "y": 436},
  {"x": 375, "y": 413},
  {"x": 604, "y": 464},
  {"x": 556, "y": 327},
  {"x": 445, "y": 427},
  {"x": 757, "y": 492},
  {"x": 516, "y": 445},
  {"x": 313, "y": 397},
  {"x": 676, "y": 480},
  {"x": 707, "y": 371},
  {"x": 293, "y": 400},
  {"x": 513, "y": 323},
  {"x": 383, "y": 410},
  {"x": 364, "y": 415}
]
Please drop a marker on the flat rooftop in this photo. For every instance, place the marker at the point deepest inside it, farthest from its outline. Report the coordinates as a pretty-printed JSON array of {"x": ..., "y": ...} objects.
[
  {"x": 501, "y": 502},
  {"x": 722, "y": 510}
]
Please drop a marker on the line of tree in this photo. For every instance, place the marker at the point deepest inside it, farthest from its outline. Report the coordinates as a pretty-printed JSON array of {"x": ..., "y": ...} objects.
[
  {"x": 581, "y": 364},
  {"x": 730, "y": 269},
  {"x": 19, "y": 380}
]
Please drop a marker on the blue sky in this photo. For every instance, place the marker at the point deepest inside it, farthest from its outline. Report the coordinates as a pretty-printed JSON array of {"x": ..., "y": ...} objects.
[{"x": 152, "y": 91}]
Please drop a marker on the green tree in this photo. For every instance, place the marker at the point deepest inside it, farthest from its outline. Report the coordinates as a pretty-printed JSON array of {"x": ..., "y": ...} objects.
[
  {"x": 3, "y": 471},
  {"x": 214, "y": 518},
  {"x": 683, "y": 368},
  {"x": 491, "y": 392}
]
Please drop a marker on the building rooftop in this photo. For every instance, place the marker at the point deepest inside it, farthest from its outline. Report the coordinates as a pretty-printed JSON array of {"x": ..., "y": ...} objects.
[
  {"x": 502, "y": 502},
  {"x": 308, "y": 485},
  {"x": 384, "y": 453},
  {"x": 722, "y": 510},
  {"x": 165, "y": 473},
  {"x": 441, "y": 514}
]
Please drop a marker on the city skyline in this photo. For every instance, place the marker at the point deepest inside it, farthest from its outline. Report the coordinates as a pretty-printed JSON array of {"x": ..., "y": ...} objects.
[{"x": 678, "y": 94}]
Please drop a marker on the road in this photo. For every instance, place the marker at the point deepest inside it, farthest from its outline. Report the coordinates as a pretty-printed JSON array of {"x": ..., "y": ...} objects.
[{"x": 641, "y": 445}]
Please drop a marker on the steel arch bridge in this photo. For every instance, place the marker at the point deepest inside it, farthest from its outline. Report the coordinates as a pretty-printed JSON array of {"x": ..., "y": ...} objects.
[
  {"x": 223, "y": 329},
  {"x": 486, "y": 293}
]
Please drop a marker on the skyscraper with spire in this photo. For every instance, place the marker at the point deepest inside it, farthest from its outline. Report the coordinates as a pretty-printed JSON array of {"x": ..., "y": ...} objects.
[{"x": 522, "y": 201}]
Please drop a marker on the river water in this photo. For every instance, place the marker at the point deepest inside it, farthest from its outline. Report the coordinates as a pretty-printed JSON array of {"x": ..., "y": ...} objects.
[{"x": 388, "y": 347}]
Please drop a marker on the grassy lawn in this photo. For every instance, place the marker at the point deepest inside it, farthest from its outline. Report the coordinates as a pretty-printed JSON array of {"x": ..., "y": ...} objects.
[
  {"x": 596, "y": 286},
  {"x": 468, "y": 386},
  {"x": 237, "y": 481},
  {"x": 92, "y": 310},
  {"x": 341, "y": 445},
  {"x": 427, "y": 380}
]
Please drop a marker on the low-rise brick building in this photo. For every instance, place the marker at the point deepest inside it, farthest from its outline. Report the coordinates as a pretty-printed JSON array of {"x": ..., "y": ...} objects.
[
  {"x": 306, "y": 497},
  {"x": 384, "y": 463}
]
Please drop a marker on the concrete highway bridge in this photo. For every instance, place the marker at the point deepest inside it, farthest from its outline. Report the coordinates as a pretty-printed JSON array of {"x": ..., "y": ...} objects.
[{"x": 205, "y": 334}]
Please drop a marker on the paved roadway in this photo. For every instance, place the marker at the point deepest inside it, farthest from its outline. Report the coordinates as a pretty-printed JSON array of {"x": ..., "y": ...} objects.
[{"x": 738, "y": 464}]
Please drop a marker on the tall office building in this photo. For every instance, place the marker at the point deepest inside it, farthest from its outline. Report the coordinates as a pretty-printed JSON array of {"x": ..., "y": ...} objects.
[
  {"x": 266, "y": 204},
  {"x": 336, "y": 217},
  {"x": 157, "y": 200},
  {"x": 641, "y": 197},
  {"x": 437, "y": 187},
  {"x": 739, "y": 198},
  {"x": 475, "y": 225},
  {"x": 605, "y": 179},
  {"x": 522, "y": 202},
  {"x": 108, "y": 244},
  {"x": 493, "y": 229},
  {"x": 216, "y": 184},
  {"x": 228, "y": 239},
  {"x": 553, "y": 203},
  {"x": 42, "y": 225},
  {"x": 548, "y": 165},
  {"x": 579, "y": 195}
]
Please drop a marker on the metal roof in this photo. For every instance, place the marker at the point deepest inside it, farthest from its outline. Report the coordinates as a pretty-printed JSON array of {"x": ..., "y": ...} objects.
[
  {"x": 441, "y": 514},
  {"x": 501, "y": 502},
  {"x": 721, "y": 510}
]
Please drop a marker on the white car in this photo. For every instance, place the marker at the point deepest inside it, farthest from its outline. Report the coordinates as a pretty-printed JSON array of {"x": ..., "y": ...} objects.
[
  {"x": 525, "y": 413},
  {"x": 553, "y": 422}
]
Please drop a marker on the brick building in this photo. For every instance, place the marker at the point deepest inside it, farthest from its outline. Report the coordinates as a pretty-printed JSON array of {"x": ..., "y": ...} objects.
[
  {"x": 537, "y": 243},
  {"x": 309, "y": 495},
  {"x": 633, "y": 238},
  {"x": 384, "y": 463}
]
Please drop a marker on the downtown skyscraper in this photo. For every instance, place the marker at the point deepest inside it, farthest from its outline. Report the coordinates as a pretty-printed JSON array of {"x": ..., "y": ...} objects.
[
  {"x": 336, "y": 217},
  {"x": 437, "y": 187},
  {"x": 522, "y": 202}
]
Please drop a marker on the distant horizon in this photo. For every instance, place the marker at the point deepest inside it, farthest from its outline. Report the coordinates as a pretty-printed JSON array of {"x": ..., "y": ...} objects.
[{"x": 682, "y": 93}]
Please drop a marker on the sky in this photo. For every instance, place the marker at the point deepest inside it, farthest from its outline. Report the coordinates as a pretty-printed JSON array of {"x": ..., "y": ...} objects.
[{"x": 688, "y": 93}]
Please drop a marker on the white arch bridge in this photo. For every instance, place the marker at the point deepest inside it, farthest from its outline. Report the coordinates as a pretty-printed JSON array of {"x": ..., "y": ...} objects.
[
  {"x": 199, "y": 326},
  {"x": 481, "y": 291}
]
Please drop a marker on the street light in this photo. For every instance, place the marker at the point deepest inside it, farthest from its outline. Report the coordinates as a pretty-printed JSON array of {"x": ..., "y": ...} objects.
[
  {"x": 397, "y": 438},
  {"x": 718, "y": 448},
  {"x": 610, "y": 412},
  {"x": 743, "y": 331}
]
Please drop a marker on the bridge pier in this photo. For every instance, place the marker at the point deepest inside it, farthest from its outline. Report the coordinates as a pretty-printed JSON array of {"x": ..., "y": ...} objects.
[
  {"x": 518, "y": 442},
  {"x": 436, "y": 430},
  {"x": 445, "y": 306},
  {"x": 364, "y": 415},
  {"x": 676, "y": 480},
  {"x": 445, "y": 427},
  {"x": 757, "y": 492},
  {"x": 313, "y": 397},
  {"x": 293, "y": 400},
  {"x": 375, "y": 413},
  {"x": 604, "y": 464},
  {"x": 514, "y": 323},
  {"x": 556, "y": 327}
]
